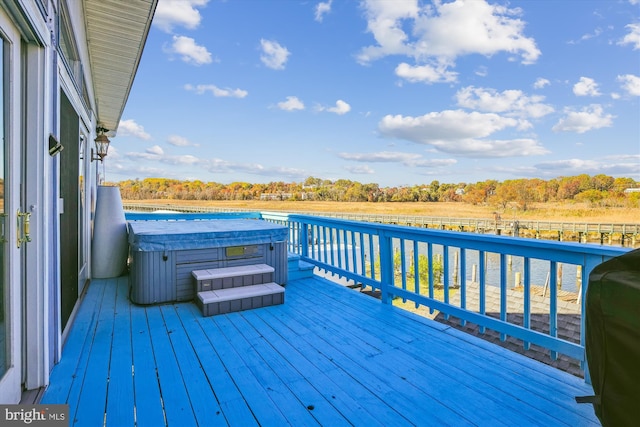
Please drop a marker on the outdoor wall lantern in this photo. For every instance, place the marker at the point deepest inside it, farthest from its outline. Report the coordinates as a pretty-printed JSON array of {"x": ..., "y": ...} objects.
[{"x": 102, "y": 144}]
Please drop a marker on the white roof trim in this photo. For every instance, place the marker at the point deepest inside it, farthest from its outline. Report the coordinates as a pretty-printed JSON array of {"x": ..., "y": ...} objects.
[{"x": 116, "y": 34}]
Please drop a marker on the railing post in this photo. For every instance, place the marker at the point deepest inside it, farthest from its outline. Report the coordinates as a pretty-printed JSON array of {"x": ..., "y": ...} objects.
[{"x": 386, "y": 268}]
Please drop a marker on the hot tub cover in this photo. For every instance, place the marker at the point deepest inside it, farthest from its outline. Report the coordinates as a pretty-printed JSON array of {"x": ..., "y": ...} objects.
[{"x": 202, "y": 234}]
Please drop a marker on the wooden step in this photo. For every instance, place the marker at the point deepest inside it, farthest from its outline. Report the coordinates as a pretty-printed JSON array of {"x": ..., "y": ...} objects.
[
  {"x": 232, "y": 277},
  {"x": 303, "y": 270},
  {"x": 228, "y": 300}
]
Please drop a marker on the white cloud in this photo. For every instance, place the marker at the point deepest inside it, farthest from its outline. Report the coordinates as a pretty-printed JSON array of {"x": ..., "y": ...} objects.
[
  {"x": 156, "y": 153},
  {"x": 180, "y": 141},
  {"x": 382, "y": 157},
  {"x": 340, "y": 108},
  {"x": 273, "y": 54},
  {"x": 540, "y": 83},
  {"x": 291, "y": 104},
  {"x": 511, "y": 102},
  {"x": 426, "y": 73},
  {"x": 171, "y": 13},
  {"x": 407, "y": 159},
  {"x": 224, "y": 166},
  {"x": 216, "y": 91},
  {"x": 189, "y": 51},
  {"x": 591, "y": 117},
  {"x": 384, "y": 22},
  {"x": 482, "y": 71},
  {"x": 445, "y": 31},
  {"x": 633, "y": 38},
  {"x": 322, "y": 9},
  {"x": 597, "y": 32},
  {"x": 630, "y": 83},
  {"x": 610, "y": 165},
  {"x": 156, "y": 150},
  {"x": 586, "y": 87},
  {"x": 131, "y": 128},
  {"x": 461, "y": 133},
  {"x": 360, "y": 170}
]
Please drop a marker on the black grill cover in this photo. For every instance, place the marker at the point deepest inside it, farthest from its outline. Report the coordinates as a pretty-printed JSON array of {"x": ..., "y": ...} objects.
[{"x": 613, "y": 339}]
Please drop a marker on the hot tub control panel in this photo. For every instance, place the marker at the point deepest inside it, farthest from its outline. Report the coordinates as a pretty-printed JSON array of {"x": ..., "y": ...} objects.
[{"x": 241, "y": 251}]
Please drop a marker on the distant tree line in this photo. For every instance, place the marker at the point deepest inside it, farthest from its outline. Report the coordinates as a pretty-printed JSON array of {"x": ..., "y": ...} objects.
[{"x": 598, "y": 190}]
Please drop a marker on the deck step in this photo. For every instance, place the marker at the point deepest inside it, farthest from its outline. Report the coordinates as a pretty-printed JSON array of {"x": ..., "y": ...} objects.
[
  {"x": 298, "y": 269},
  {"x": 229, "y": 300},
  {"x": 232, "y": 277},
  {"x": 304, "y": 270}
]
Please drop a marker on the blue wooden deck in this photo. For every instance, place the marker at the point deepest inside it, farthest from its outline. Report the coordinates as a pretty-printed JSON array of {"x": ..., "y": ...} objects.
[{"x": 328, "y": 356}]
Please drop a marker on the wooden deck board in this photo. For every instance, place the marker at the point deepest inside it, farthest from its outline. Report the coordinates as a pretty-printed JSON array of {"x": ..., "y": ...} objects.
[
  {"x": 328, "y": 356},
  {"x": 234, "y": 407},
  {"x": 203, "y": 402},
  {"x": 267, "y": 375},
  {"x": 120, "y": 405},
  {"x": 147, "y": 398},
  {"x": 91, "y": 406},
  {"x": 355, "y": 356},
  {"x": 60, "y": 385},
  {"x": 455, "y": 357},
  {"x": 177, "y": 406},
  {"x": 254, "y": 393},
  {"x": 260, "y": 340},
  {"x": 297, "y": 351}
]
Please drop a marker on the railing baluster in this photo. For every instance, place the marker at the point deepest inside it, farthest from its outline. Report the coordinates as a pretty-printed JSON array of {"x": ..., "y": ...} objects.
[
  {"x": 332, "y": 252},
  {"x": 363, "y": 264},
  {"x": 416, "y": 269},
  {"x": 354, "y": 252},
  {"x": 553, "y": 304},
  {"x": 481, "y": 284},
  {"x": 338, "y": 249},
  {"x": 430, "y": 258},
  {"x": 526, "y": 320},
  {"x": 314, "y": 229},
  {"x": 403, "y": 268},
  {"x": 372, "y": 257},
  {"x": 345, "y": 251},
  {"x": 463, "y": 282},
  {"x": 445, "y": 279},
  {"x": 324, "y": 244},
  {"x": 503, "y": 291}
]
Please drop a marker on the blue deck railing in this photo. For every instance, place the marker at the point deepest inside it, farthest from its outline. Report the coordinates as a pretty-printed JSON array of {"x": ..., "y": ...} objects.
[
  {"x": 429, "y": 267},
  {"x": 394, "y": 259}
]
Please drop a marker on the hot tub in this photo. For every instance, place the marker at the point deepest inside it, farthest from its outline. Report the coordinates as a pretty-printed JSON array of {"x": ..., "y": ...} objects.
[{"x": 162, "y": 254}]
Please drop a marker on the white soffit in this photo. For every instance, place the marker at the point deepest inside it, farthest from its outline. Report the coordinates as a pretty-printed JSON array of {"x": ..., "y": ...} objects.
[{"x": 116, "y": 33}]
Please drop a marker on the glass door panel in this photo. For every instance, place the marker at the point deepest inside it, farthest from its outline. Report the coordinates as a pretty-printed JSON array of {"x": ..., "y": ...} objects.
[{"x": 11, "y": 260}]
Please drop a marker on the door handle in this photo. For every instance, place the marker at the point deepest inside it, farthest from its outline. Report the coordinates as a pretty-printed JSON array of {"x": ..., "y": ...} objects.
[
  {"x": 24, "y": 225},
  {"x": 3, "y": 220}
]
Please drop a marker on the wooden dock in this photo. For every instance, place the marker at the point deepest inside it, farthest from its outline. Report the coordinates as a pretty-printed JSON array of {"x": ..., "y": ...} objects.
[{"x": 328, "y": 356}]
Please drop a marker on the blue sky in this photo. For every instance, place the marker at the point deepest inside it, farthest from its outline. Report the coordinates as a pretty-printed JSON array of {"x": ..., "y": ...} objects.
[{"x": 394, "y": 92}]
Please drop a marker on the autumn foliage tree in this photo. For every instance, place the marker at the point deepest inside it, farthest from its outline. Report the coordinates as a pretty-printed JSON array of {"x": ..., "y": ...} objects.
[{"x": 600, "y": 190}]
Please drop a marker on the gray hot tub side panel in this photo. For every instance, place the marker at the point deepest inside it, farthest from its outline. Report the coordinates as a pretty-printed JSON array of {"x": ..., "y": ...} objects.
[
  {"x": 163, "y": 273},
  {"x": 152, "y": 277}
]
